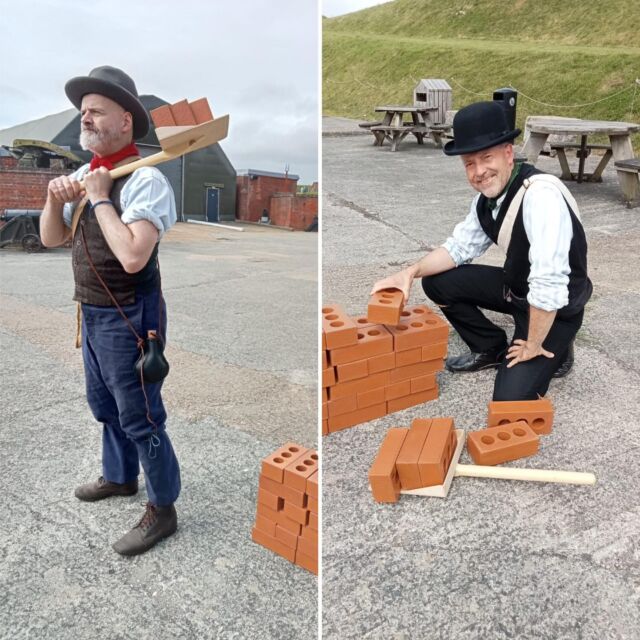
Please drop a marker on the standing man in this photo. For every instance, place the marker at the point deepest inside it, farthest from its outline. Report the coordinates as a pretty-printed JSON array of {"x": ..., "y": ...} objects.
[
  {"x": 115, "y": 227},
  {"x": 543, "y": 283}
]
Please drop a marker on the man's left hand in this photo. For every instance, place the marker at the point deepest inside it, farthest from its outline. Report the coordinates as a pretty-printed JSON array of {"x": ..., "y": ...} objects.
[
  {"x": 98, "y": 184},
  {"x": 522, "y": 350}
]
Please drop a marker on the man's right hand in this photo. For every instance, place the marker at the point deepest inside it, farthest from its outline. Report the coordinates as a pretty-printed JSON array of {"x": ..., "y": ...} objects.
[
  {"x": 62, "y": 189},
  {"x": 401, "y": 280}
]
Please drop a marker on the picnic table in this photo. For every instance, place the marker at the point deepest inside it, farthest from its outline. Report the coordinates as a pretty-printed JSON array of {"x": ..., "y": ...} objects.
[
  {"x": 619, "y": 133},
  {"x": 394, "y": 128}
]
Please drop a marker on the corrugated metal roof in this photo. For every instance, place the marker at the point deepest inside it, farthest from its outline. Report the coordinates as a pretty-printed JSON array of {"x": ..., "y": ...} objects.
[
  {"x": 46, "y": 128},
  {"x": 267, "y": 174}
]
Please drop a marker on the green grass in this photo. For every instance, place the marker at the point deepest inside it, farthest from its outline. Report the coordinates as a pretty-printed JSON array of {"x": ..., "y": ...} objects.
[{"x": 561, "y": 53}]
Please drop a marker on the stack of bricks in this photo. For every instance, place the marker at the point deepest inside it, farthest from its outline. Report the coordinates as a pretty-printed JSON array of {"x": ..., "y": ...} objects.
[
  {"x": 182, "y": 113},
  {"x": 413, "y": 458},
  {"x": 513, "y": 431},
  {"x": 287, "y": 510},
  {"x": 370, "y": 369}
]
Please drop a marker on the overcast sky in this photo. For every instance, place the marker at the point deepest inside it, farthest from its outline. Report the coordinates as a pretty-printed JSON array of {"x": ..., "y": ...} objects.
[
  {"x": 257, "y": 60},
  {"x": 332, "y": 8}
]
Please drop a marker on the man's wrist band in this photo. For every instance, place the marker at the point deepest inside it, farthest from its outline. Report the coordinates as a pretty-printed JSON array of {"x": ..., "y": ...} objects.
[{"x": 95, "y": 204}]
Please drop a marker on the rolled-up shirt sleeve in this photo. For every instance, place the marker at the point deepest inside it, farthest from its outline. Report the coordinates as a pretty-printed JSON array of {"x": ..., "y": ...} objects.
[
  {"x": 548, "y": 226},
  {"x": 468, "y": 240},
  {"x": 149, "y": 196}
]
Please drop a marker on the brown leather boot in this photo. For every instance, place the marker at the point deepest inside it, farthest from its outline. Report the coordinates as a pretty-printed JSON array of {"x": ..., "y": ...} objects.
[
  {"x": 156, "y": 524},
  {"x": 101, "y": 488}
]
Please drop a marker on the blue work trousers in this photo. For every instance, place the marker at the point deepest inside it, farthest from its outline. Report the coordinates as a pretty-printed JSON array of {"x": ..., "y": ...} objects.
[{"x": 116, "y": 397}]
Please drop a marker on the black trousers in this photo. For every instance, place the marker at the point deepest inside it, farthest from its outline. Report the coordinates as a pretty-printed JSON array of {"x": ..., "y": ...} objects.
[{"x": 463, "y": 291}]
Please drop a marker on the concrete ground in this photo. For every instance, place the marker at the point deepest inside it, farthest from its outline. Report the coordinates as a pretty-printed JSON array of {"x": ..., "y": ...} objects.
[
  {"x": 495, "y": 559},
  {"x": 242, "y": 349}
]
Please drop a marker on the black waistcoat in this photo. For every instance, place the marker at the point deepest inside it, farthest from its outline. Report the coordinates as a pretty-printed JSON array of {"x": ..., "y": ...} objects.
[
  {"x": 123, "y": 285},
  {"x": 517, "y": 266}
]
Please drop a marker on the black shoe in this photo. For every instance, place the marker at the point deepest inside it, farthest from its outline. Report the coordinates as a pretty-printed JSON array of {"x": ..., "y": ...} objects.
[
  {"x": 565, "y": 366},
  {"x": 101, "y": 488},
  {"x": 475, "y": 361},
  {"x": 156, "y": 524}
]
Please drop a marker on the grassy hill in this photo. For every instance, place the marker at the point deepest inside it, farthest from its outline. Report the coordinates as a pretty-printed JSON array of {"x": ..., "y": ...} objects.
[{"x": 561, "y": 53}]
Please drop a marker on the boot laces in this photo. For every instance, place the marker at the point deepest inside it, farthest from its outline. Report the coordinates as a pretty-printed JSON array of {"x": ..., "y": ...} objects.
[{"x": 148, "y": 518}]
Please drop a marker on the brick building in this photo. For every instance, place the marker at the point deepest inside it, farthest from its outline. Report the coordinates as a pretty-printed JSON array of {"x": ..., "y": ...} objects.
[{"x": 258, "y": 191}]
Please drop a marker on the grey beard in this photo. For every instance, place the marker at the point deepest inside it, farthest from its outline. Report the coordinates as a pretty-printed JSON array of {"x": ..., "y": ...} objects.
[{"x": 90, "y": 139}]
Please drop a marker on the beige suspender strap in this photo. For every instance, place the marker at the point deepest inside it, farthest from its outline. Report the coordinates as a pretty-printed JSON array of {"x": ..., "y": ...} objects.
[{"x": 504, "y": 237}]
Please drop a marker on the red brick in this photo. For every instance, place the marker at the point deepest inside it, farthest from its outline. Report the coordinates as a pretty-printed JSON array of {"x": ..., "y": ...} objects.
[
  {"x": 383, "y": 475},
  {"x": 352, "y": 371},
  {"x": 306, "y": 562},
  {"x": 343, "y": 405},
  {"x": 306, "y": 546},
  {"x": 407, "y": 461},
  {"x": 287, "y": 493},
  {"x": 201, "y": 110},
  {"x": 162, "y": 116},
  {"x": 502, "y": 444},
  {"x": 382, "y": 362},
  {"x": 279, "y": 517},
  {"x": 312, "y": 485},
  {"x": 328, "y": 377},
  {"x": 266, "y": 525},
  {"x": 412, "y": 400},
  {"x": 325, "y": 360},
  {"x": 353, "y": 387},
  {"x": 398, "y": 390},
  {"x": 411, "y": 356},
  {"x": 434, "y": 351},
  {"x": 273, "y": 544},
  {"x": 339, "y": 329},
  {"x": 286, "y": 537},
  {"x": 357, "y": 417},
  {"x": 182, "y": 114},
  {"x": 538, "y": 414},
  {"x": 296, "y": 473},
  {"x": 313, "y": 521},
  {"x": 325, "y": 427},
  {"x": 297, "y": 514},
  {"x": 371, "y": 397},
  {"x": 370, "y": 342},
  {"x": 423, "y": 383},
  {"x": 437, "y": 452},
  {"x": 411, "y": 333},
  {"x": 312, "y": 504},
  {"x": 270, "y": 500},
  {"x": 273, "y": 466},
  {"x": 415, "y": 312},
  {"x": 415, "y": 370},
  {"x": 309, "y": 534},
  {"x": 363, "y": 322},
  {"x": 386, "y": 306}
]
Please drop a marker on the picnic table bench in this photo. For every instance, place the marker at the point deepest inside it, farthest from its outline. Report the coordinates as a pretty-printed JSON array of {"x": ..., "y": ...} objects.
[
  {"x": 583, "y": 150},
  {"x": 619, "y": 134},
  {"x": 394, "y": 129}
]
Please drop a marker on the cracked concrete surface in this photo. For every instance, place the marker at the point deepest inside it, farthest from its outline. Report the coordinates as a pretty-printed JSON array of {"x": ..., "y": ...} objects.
[
  {"x": 496, "y": 559},
  {"x": 242, "y": 347}
]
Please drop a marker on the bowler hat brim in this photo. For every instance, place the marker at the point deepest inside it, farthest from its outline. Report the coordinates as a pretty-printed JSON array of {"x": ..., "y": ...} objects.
[
  {"x": 80, "y": 86},
  {"x": 479, "y": 144}
]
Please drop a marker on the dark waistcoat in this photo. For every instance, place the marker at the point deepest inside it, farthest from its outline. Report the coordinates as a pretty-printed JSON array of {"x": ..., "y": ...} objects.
[
  {"x": 123, "y": 285},
  {"x": 517, "y": 266}
]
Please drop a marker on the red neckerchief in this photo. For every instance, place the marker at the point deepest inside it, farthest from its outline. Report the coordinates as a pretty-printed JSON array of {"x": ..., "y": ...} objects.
[{"x": 114, "y": 158}]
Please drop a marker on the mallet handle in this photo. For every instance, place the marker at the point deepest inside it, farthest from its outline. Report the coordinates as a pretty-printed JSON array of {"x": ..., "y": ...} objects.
[{"x": 532, "y": 475}]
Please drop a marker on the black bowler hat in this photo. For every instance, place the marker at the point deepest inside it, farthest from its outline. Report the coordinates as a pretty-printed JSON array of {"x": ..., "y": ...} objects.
[
  {"x": 115, "y": 84},
  {"x": 479, "y": 126}
]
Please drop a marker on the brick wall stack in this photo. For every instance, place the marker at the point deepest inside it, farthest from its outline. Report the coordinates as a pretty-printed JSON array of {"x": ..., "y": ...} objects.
[
  {"x": 370, "y": 370},
  {"x": 254, "y": 194},
  {"x": 287, "y": 510},
  {"x": 294, "y": 211},
  {"x": 26, "y": 188}
]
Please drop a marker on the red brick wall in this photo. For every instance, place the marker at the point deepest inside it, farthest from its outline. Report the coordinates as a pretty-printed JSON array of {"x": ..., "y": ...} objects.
[
  {"x": 25, "y": 188},
  {"x": 293, "y": 211},
  {"x": 254, "y": 195},
  {"x": 8, "y": 162}
]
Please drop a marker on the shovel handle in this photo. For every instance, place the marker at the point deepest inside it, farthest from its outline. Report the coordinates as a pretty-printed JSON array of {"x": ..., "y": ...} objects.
[{"x": 532, "y": 475}]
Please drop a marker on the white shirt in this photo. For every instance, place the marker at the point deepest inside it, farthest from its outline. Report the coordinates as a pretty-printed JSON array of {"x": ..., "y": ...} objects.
[
  {"x": 147, "y": 195},
  {"x": 547, "y": 223}
]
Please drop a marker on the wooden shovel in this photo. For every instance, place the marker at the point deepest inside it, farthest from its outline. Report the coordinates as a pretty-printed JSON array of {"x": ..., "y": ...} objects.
[{"x": 504, "y": 473}]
